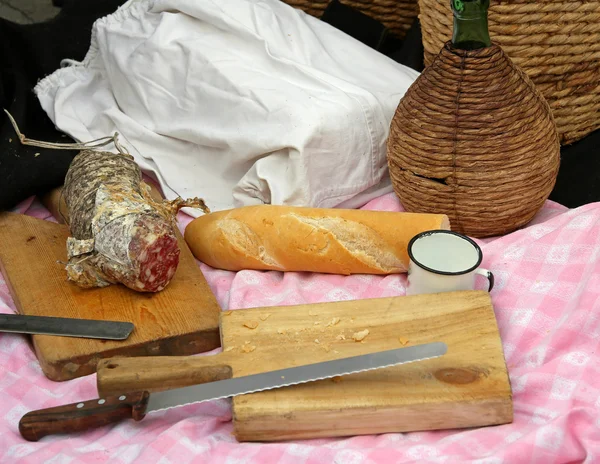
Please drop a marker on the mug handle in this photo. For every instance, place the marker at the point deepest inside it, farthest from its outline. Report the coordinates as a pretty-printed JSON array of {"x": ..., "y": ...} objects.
[{"x": 487, "y": 274}]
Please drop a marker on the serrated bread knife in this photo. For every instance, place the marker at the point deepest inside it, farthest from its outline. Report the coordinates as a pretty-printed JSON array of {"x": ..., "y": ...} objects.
[{"x": 77, "y": 417}]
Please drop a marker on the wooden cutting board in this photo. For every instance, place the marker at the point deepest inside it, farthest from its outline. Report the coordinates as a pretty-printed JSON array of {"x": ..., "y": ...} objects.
[
  {"x": 181, "y": 320},
  {"x": 467, "y": 387}
]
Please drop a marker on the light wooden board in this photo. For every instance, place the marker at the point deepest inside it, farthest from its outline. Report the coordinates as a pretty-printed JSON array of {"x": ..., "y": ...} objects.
[
  {"x": 180, "y": 320},
  {"x": 467, "y": 387}
]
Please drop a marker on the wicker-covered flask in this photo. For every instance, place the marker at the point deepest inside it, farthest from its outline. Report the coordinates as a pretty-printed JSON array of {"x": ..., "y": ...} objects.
[{"x": 472, "y": 137}]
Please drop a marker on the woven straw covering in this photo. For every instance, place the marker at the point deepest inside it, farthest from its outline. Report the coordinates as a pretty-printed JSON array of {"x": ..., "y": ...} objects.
[
  {"x": 474, "y": 139},
  {"x": 556, "y": 42},
  {"x": 396, "y": 15}
]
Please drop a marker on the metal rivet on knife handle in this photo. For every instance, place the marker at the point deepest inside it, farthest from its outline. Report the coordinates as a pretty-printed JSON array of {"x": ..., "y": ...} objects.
[{"x": 78, "y": 417}]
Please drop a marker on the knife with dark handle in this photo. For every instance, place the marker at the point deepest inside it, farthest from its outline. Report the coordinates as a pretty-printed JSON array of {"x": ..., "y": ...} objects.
[
  {"x": 65, "y": 327},
  {"x": 85, "y": 415}
]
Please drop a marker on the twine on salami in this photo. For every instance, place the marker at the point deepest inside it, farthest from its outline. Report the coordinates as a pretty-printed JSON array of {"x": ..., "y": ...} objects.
[
  {"x": 101, "y": 142},
  {"x": 119, "y": 233}
]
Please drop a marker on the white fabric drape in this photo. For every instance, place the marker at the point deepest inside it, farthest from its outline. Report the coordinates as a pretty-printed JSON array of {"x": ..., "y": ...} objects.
[{"x": 236, "y": 101}]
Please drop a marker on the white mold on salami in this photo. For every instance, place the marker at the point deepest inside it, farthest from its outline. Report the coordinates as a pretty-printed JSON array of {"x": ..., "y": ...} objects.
[
  {"x": 85, "y": 273},
  {"x": 79, "y": 247},
  {"x": 119, "y": 233}
]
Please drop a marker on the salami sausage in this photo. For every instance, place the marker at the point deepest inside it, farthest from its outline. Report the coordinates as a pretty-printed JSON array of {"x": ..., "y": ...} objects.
[{"x": 119, "y": 233}]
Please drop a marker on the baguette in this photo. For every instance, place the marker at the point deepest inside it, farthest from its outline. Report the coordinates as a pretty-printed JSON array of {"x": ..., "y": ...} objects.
[{"x": 293, "y": 238}]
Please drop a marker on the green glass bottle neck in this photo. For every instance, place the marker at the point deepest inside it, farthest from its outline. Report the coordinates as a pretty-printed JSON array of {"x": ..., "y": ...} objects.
[{"x": 470, "y": 24}]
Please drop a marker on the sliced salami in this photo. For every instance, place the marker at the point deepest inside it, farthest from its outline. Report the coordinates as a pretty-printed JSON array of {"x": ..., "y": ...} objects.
[{"x": 119, "y": 233}]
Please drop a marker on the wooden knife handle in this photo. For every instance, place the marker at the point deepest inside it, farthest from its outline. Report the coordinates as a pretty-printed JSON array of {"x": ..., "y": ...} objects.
[
  {"x": 157, "y": 373},
  {"x": 85, "y": 415}
]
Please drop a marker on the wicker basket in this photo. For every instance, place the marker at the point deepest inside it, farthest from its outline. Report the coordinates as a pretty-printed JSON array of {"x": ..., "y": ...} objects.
[
  {"x": 396, "y": 15},
  {"x": 556, "y": 42},
  {"x": 473, "y": 138}
]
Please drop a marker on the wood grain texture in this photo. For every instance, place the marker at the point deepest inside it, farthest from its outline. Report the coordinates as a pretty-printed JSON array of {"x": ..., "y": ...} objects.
[
  {"x": 467, "y": 387},
  {"x": 124, "y": 375},
  {"x": 180, "y": 320}
]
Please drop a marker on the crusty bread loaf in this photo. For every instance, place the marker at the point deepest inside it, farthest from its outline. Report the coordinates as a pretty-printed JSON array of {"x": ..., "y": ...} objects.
[{"x": 291, "y": 238}]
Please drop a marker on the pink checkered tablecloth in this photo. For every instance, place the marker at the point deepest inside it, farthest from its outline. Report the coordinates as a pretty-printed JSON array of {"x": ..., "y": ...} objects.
[{"x": 547, "y": 302}]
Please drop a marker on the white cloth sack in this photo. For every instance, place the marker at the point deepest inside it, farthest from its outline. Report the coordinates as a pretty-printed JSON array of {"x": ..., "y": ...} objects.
[{"x": 238, "y": 102}]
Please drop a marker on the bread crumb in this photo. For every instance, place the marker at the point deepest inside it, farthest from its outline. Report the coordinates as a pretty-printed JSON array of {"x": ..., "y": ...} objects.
[
  {"x": 317, "y": 340},
  {"x": 247, "y": 342},
  {"x": 336, "y": 351},
  {"x": 264, "y": 317},
  {"x": 403, "y": 341},
  {"x": 326, "y": 347},
  {"x": 229, "y": 348},
  {"x": 36, "y": 155},
  {"x": 360, "y": 336},
  {"x": 248, "y": 348},
  {"x": 317, "y": 323},
  {"x": 333, "y": 322},
  {"x": 281, "y": 331},
  {"x": 227, "y": 313},
  {"x": 312, "y": 313},
  {"x": 341, "y": 337},
  {"x": 336, "y": 379},
  {"x": 251, "y": 324}
]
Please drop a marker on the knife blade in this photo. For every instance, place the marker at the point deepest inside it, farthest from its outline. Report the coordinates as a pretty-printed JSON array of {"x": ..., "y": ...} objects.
[
  {"x": 65, "y": 326},
  {"x": 78, "y": 417}
]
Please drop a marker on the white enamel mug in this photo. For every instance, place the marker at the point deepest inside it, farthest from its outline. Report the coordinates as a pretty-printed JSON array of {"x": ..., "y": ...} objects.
[{"x": 444, "y": 261}]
